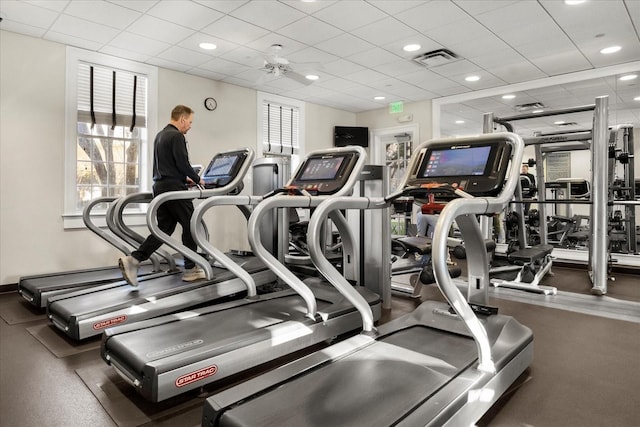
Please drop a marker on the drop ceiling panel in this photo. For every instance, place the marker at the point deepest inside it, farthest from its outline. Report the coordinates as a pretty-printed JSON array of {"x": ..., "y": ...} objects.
[
  {"x": 193, "y": 41},
  {"x": 139, "y": 44},
  {"x": 155, "y": 28},
  {"x": 27, "y": 14},
  {"x": 184, "y": 56},
  {"x": 349, "y": 15},
  {"x": 344, "y": 45},
  {"x": 373, "y": 57},
  {"x": 518, "y": 72},
  {"x": 399, "y": 68},
  {"x": 104, "y": 13},
  {"x": 431, "y": 15},
  {"x": 76, "y": 27},
  {"x": 386, "y": 31},
  {"x": 224, "y": 6},
  {"x": 235, "y": 30},
  {"x": 137, "y": 5},
  {"x": 310, "y": 30},
  {"x": 188, "y": 14},
  {"x": 272, "y": 15},
  {"x": 354, "y": 46},
  {"x": 75, "y": 41}
]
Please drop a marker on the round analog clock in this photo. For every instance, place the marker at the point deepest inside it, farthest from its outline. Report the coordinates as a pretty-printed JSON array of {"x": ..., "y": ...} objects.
[{"x": 210, "y": 104}]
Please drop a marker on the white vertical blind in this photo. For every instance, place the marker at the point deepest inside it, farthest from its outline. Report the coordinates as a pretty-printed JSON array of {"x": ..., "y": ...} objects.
[
  {"x": 280, "y": 129},
  {"x": 103, "y": 99}
]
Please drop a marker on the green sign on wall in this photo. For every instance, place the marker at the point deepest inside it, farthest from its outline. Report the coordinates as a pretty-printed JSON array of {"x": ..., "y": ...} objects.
[{"x": 396, "y": 107}]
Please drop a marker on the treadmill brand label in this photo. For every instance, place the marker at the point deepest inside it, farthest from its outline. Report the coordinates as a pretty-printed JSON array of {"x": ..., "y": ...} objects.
[
  {"x": 196, "y": 376},
  {"x": 103, "y": 324}
]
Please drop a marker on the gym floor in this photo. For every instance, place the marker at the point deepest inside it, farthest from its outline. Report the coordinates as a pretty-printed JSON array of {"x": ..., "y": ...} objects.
[{"x": 585, "y": 370}]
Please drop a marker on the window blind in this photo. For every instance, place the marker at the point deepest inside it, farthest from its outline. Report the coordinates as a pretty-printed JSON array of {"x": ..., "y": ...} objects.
[
  {"x": 113, "y": 96},
  {"x": 280, "y": 129}
]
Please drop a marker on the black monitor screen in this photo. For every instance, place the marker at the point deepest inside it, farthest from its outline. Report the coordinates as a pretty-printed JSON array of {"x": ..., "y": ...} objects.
[
  {"x": 221, "y": 166},
  {"x": 467, "y": 161},
  {"x": 319, "y": 169}
]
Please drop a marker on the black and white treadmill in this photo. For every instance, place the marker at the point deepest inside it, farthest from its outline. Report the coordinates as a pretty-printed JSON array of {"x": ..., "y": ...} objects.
[
  {"x": 167, "y": 356},
  {"x": 444, "y": 363},
  {"x": 86, "y": 313}
]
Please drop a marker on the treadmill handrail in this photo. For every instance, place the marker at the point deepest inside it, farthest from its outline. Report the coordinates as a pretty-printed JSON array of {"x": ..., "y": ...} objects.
[
  {"x": 110, "y": 237},
  {"x": 299, "y": 201},
  {"x": 152, "y": 212},
  {"x": 116, "y": 223},
  {"x": 473, "y": 206},
  {"x": 454, "y": 209},
  {"x": 323, "y": 265},
  {"x": 214, "y": 252},
  {"x": 253, "y": 230}
]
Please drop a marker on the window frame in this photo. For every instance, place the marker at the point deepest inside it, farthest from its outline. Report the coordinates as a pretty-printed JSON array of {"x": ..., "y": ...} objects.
[{"x": 71, "y": 217}]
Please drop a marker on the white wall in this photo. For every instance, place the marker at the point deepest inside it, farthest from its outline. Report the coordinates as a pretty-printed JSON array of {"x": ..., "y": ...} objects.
[
  {"x": 32, "y": 84},
  {"x": 381, "y": 118}
]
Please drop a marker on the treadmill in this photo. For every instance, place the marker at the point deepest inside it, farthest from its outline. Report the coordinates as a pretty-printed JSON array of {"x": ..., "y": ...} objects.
[
  {"x": 442, "y": 364},
  {"x": 86, "y": 313},
  {"x": 170, "y": 355},
  {"x": 37, "y": 289}
]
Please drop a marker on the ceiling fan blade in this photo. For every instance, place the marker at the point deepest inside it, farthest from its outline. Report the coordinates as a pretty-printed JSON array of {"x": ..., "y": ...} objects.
[{"x": 298, "y": 77}]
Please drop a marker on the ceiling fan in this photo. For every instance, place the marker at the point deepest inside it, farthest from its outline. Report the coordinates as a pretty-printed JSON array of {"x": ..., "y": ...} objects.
[{"x": 275, "y": 67}]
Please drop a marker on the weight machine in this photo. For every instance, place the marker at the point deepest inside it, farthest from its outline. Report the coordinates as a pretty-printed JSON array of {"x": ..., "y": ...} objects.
[{"x": 595, "y": 139}]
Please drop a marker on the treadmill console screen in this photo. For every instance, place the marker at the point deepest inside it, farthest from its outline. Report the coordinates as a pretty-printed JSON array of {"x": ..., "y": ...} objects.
[
  {"x": 321, "y": 169},
  {"x": 479, "y": 170},
  {"x": 223, "y": 168},
  {"x": 324, "y": 174},
  {"x": 456, "y": 162}
]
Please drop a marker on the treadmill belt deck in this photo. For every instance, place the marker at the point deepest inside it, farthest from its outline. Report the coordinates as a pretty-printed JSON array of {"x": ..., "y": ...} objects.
[
  {"x": 401, "y": 371},
  {"x": 178, "y": 342}
]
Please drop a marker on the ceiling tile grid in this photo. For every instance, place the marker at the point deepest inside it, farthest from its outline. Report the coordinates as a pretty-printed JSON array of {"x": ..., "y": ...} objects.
[{"x": 355, "y": 46}]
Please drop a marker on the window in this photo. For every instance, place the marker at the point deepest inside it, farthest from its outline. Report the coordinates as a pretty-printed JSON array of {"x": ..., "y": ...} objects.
[
  {"x": 108, "y": 121},
  {"x": 281, "y": 127}
]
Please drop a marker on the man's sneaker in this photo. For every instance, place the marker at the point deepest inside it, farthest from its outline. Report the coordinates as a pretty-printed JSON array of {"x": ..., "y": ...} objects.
[
  {"x": 129, "y": 267},
  {"x": 193, "y": 274}
]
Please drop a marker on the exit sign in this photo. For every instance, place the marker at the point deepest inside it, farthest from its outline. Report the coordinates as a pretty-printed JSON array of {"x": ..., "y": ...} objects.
[{"x": 396, "y": 107}]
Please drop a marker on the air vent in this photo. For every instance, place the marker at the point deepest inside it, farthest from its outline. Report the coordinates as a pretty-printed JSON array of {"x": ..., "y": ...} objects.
[
  {"x": 530, "y": 106},
  {"x": 567, "y": 124},
  {"x": 435, "y": 58}
]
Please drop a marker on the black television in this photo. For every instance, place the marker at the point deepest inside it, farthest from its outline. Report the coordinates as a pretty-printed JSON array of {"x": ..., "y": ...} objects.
[{"x": 350, "y": 135}]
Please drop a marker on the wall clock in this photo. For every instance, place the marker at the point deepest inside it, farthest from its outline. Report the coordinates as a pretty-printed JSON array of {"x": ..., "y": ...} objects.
[{"x": 210, "y": 104}]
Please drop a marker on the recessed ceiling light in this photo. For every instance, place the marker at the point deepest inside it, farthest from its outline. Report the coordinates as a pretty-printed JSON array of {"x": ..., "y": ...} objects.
[
  {"x": 311, "y": 77},
  {"x": 411, "y": 47},
  {"x": 538, "y": 111},
  {"x": 610, "y": 49},
  {"x": 207, "y": 46},
  {"x": 472, "y": 78},
  {"x": 508, "y": 96},
  {"x": 459, "y": 122},
  {"x": 637, "y": 98},
  {"x": 629, "y": 77},
  {"x": 378, "y": 98},
  {"x": 573, "y": 2},
  {"x": 559, "y": 122}
]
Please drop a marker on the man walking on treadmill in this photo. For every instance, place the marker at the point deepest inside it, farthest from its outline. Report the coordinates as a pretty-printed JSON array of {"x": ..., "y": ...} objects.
[{"x": 171, "y": 172}]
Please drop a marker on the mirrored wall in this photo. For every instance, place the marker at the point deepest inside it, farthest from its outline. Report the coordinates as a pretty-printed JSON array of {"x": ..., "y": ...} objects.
[{"x": 463, "y": 114}]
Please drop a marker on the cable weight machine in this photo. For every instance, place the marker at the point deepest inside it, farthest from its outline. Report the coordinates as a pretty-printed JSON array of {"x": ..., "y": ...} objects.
[{"x": 596, "y": 140}]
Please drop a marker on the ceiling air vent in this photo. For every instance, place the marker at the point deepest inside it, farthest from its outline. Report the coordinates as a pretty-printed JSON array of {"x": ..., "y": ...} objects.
[
  {"x": 567, "y": 124},
  {"x": 435, "y": 58},
  {"x": 530, "y": 106}
]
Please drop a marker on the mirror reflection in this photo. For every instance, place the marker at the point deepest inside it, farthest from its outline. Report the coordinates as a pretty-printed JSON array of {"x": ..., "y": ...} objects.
[{"x": 563, "y": 172}]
